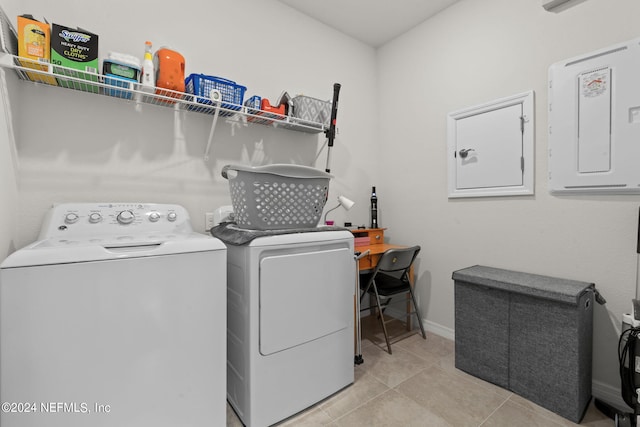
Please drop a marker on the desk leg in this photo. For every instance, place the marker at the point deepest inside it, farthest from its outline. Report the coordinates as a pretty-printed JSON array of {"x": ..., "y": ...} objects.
[{"x": 372, "y": 305}]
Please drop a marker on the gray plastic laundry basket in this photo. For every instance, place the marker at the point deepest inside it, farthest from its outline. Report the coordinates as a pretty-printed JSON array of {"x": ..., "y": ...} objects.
[{"x": 277, "y": 197}]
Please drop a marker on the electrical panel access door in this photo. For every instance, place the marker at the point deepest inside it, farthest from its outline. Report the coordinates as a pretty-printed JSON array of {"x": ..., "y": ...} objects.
[
  {"x": 490, "y": 148},
  {"x": 594, "y": 122}
]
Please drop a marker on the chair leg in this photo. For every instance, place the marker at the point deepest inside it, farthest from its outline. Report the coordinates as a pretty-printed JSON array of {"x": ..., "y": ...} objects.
[
  {"x": 387, "y": 302},
  {"x": 417, "y": 313},
  {"x": 384, "y": 326}
]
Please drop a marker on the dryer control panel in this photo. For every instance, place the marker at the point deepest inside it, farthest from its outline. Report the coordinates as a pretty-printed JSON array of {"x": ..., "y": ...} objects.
[{"x": 85, "y": 220}]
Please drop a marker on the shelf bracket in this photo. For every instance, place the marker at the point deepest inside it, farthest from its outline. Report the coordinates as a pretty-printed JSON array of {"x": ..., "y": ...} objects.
[{"x": 216, "y": 114}]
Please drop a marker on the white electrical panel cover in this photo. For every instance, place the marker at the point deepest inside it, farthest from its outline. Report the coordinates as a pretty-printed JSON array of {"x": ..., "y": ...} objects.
[{"x": 594, "y": 122}]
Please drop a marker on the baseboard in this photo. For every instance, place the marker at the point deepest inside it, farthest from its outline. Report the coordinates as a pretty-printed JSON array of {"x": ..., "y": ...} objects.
[
  {"x": 609, "y": 394},
  {"x": 428, "y": 325},
  {"x": 440, "y": 330}
]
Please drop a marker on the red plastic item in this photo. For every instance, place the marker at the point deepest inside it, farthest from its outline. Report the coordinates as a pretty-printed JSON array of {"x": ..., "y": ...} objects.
[
  {"x": 268, "y": 111},
  {"x": 267, "y": 107}
]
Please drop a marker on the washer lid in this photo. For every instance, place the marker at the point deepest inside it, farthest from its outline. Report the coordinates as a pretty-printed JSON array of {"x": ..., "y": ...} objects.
[{"x": 101, "y": 248}]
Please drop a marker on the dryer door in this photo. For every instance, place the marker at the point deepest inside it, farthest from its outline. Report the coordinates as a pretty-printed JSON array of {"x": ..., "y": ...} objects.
[{"x": 304, "y": 296}]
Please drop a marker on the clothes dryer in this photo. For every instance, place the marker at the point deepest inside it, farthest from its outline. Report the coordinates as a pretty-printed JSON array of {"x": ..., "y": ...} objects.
[
  {"x": 115, "y": 317},
  {"x": 290, "y": 323}
]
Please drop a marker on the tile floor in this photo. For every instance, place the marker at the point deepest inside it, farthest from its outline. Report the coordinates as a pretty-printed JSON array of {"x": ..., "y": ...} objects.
[{"x": 418, "y": 385}]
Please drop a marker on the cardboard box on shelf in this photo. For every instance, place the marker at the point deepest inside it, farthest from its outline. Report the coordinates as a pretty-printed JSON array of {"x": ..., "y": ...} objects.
[
  {"x": 75, "y": 49},
  {"x": 34, "y": 38}
]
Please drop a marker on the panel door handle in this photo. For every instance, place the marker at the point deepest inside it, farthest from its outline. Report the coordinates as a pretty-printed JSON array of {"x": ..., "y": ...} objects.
[{"x": 465, "y": 152}]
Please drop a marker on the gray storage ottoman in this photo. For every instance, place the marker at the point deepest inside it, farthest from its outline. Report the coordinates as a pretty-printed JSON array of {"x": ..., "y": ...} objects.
[{"x": 527, "y": 333}]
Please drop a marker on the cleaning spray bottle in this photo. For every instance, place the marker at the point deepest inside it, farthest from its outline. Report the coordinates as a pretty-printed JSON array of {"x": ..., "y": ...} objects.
[{"x": 148, "y": 71}]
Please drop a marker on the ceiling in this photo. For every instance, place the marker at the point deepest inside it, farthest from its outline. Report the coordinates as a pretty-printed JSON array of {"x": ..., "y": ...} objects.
[{"x": 374, "y": 22}]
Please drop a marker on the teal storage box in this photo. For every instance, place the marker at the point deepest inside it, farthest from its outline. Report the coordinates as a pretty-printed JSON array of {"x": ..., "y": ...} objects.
[{"x": 121, "y": 71}]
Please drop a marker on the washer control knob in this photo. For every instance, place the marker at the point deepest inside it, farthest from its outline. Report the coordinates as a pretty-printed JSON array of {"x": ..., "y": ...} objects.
[
  {"x": 154, "y": 216},
  {"x": 71, "y": 218},
  {"x": 172, "y": 216},
  {"x": 125, "y": 217},
  {"x": 95, "y": 218}
]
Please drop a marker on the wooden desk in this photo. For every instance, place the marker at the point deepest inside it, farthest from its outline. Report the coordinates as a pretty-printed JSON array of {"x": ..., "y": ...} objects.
[
  {"x": 371, "y": 239},
  {"x": 370, "y": 261}
]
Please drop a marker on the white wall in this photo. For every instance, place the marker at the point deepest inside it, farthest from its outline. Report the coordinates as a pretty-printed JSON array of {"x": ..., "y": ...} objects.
[
  {"x": 84, "y": 147},
  {"x": 8, "y": 166},
  {"x": 473, "y": 52},
  {"x": 392, "y": 134},
  {"x": 8, "y": 161}
]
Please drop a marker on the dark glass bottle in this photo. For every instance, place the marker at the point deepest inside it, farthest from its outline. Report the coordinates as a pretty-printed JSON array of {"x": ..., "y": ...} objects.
[{"x": 374, "y": 208}]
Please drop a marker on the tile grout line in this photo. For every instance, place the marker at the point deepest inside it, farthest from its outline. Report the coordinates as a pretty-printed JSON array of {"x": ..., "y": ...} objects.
[
  {"x": 437, "y": 366},
  {"x": 494, "y": 411},
  {"x": 541, "y": 414},
  {"x": 363, "y": 403}
]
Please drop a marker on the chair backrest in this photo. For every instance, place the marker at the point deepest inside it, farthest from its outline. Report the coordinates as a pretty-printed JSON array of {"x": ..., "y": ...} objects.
[{"x": 397, "y": 259}]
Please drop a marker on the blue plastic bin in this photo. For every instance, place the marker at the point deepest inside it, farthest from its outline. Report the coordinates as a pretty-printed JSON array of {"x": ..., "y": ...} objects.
[{"x": 201, "y": 85}]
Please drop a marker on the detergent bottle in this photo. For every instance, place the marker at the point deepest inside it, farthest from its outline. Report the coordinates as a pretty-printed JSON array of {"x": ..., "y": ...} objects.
[
  {"x": 148, "y": 71},
  {"x": 169, "y": 66}
]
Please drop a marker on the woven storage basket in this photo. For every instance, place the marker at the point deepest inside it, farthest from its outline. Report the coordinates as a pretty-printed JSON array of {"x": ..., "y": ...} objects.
[
  {"x": 277, "y": 197},
  {"x": 311, "y": 109}
]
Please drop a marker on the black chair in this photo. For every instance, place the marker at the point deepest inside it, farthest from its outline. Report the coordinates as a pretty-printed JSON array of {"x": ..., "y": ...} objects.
[{"x": 389, "y": 278}]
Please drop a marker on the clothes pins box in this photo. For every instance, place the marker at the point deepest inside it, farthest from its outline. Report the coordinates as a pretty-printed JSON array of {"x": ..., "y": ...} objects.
[
  {"x": 75, "y": 49},
  {"x": 253, "y": 107},
  {"x": 253, "y": 104},
  {"x": 34, "y": 47},
  {"x": 527, "y": 333}
]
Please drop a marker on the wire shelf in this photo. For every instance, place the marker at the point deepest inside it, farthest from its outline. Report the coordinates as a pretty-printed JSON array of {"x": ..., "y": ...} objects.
[{"x": 68, "y": 78}]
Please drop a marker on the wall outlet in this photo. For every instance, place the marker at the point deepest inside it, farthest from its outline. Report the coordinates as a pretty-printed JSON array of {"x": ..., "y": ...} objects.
[{"x": 208, "y": 221}]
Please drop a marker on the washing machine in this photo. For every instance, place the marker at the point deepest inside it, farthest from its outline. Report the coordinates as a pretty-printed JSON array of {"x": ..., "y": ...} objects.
[
  {"x": 290, "y": 300},
  {"x": 115, "y": 317}
]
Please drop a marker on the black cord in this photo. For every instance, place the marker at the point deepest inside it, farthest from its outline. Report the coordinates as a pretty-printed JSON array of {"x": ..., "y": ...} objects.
[
  {"x": 627, "y": 356},
  {"x": 623, "y": 351}
]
